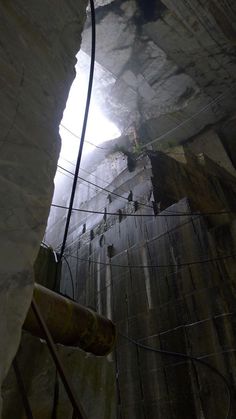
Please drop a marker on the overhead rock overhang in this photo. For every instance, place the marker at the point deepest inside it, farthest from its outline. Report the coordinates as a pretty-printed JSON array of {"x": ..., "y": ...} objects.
[{"x": 173, "y": 66}]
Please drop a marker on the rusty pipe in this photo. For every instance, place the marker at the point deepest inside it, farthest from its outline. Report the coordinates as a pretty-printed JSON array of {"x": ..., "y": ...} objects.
[{"x": 70, "y": 323}]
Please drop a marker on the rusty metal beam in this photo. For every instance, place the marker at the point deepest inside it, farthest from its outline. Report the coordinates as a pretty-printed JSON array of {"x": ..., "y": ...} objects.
[
  {"x": 22, "y": 389},
  {"x": 70, "y": 323}
]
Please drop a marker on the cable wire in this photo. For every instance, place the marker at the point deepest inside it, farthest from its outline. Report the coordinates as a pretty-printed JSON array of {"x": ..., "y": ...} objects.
[
  {"x": 55, "y": 397},
  {"x": 72, "y": 395},
  {"x": 90, "y": 85},
  {"x": 178, "y": 226},
  {"x": 125, "y": 214},
  {"x": 171, "y": 265},
  {"x": 22, "y": 389},
  {"x": 104, "y": 189},
  {"x": 79, "y": 138},
  {"x": 191, "y": 358},
  {"x": 174, "y": 213},
  {"x": 203, "y": 109},
  {"x": 91, "y": 174},
  {"x": 115, "y": 193},
  {"x": 102, "y": 180},
  {"x": 187, "y": 120}
]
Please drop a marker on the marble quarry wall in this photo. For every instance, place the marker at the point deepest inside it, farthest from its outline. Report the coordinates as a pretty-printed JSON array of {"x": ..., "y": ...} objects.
[
  {"x": 169, "y": 80},
  {"x": 182, "y": 299}
]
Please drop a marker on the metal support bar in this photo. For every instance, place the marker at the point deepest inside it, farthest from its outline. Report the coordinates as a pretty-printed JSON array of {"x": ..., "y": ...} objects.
[
  {"x": 78, "y": 409},
  {"x": 22, "y": 390}
]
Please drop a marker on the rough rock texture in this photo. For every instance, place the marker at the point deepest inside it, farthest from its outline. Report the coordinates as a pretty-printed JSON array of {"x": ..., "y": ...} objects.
[
  {"x": 197, "y": 171},
  {"x": 176, "y": 304},
  {"x": 93, "y": 379},
  {"x": 212, "y": 146},
  {"x": 173, "y": 64},
  {"x": 45, "y": 267},
  {"x": 93, "y": 198},
  {"x": 39, "y": 41},
  {"x": 103, "y": 167}
]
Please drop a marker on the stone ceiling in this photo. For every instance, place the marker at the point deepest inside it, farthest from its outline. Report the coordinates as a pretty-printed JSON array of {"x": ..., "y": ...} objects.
[{"x": 166, "y": 62}]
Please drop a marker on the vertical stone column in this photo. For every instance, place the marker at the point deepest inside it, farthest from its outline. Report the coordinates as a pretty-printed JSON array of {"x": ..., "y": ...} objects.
[{"x": 38, "y": 44}]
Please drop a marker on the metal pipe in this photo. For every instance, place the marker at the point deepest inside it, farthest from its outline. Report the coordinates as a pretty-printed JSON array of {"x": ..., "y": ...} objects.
[
  {"x": 22, "y": 390},
  {"x": 70, "y": 323}
]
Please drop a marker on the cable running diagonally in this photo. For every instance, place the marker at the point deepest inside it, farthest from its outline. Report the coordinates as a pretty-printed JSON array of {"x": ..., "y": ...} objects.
[
  {"x": 190, "y": 358},
  {"x": 125, "y": 214},
  {"x": 170, "y": 265},
  {"x": 90, "y": 85}
]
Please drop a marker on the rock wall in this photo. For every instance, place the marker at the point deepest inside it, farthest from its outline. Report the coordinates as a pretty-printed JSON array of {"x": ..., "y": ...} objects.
[
  {"x": 210, "y": 143},
  {"x": 93, "y": 379},
  {"x": 183, "y": 298},
  {"x": 172, "y": 64},
  {"x": 39, "y": 41},
  {"x": 107, "y": 173}
]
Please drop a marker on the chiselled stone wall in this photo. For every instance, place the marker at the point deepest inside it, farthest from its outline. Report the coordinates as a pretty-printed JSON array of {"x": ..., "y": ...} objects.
[
  {"x": 182, "y": 299},
  {"x": 39, "y": 41}
]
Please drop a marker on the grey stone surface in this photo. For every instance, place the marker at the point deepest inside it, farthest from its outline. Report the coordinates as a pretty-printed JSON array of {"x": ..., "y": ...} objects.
[
  {"x": 174, "y": 304},
  {"x": 173, "y": 64},
  {"x": 92, "y": 378},
  {"x": 167, "y": 70},
  {"x": 39, "y": 41},
  {"x": 105, "y": 170},
  {"x": 211, "y": 145}
]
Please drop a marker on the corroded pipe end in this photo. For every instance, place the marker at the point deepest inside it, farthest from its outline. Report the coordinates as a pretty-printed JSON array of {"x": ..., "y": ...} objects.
[{"x": 70, "y": 323}]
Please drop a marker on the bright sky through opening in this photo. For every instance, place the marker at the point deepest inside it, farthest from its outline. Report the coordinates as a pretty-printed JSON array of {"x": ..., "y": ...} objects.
[{"x": 99, "y": 128}]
